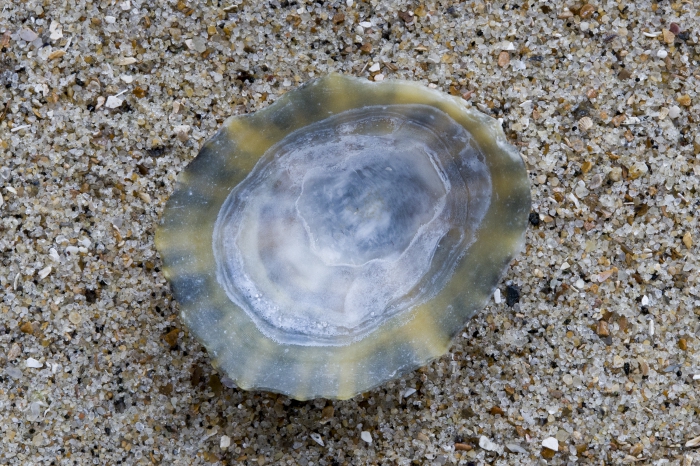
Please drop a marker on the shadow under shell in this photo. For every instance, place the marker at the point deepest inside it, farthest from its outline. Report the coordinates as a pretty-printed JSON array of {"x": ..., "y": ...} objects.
[{"x": 343, "y": 235}]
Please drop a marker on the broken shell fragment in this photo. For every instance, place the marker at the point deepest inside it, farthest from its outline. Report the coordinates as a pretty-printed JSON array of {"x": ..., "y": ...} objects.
[{"x": 343, "y": 235}]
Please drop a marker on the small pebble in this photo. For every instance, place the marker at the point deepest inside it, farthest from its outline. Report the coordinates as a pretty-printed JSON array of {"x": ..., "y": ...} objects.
[
  {"x": 512, "y": 295},
  {"x": 693, "y": 443},
  {"x": 687, "y": 240},
  {"x": 13, "y": 372},
  {"x": 596, "y": 181},
  {"x": 366, "y": 436},
  {"x": 317, "y": 438},
  {"x": 125, "y": 61},
  {"x": 615, "y": 174},
  {"x": 662, "y": 53},
  {"x": 487, "y": 444},
  {"x": 43, "y": 273},
  {"x": 586, "y": 11},
  {"x": 503, "y": 59},
  {"x": 55, "y": 30},
  {"x": 33, "y": 363},
  {"x": 674, "y": 111},
  {"x": 15, "y": 351},
  {"x": 515, "y": 448},
  {"x": 28, "y": 35},
  {"x": 668, "y": 36},
  {"x": 497, "y": 296},
  {"x": 75, "y": 318},
  {"x": 113, "y": 102},
  {"x": 684, "y": 100},
  {"x": 225, "y": 442},
  {"x": 551, "y": 443}
]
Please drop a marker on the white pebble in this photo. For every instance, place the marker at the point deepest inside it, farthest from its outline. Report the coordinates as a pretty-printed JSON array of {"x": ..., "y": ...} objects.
[
  {"x": 124, "y": 61},
  {"x": 55, "y": 30},
  {"x": 349, "y": 3},
  {"x": 110, "y": 19},
  {"x": 113, "y": 102},
  {"x": 182, "y": 131},
  {"x": 53, "y": 254},
  {"x": 596, "y": 181},
  {"x": 127, "y": 78},
  {"x": 515, "y": 448},
  {"x": 645, "y": 300},
  {"x": 574, "y": 199},
  {"x": 28, "y": 35},
  {"x": 20, "y": 127},
  {"x": 674, "y": 112},
  {"x": 379, "y": 77},
  {"x": 125, "y": 5},
  {"x": 487, "y": 444},
  {"x": 366, "y": 436},
  {"x": 551, "y": 443},
  {"x": 375, "y": 67},
  {"x": 317, "y": 438},
  {"x": 199, "y": 44},
  {"x": 696, "y": 377},
  {"x": 662, "y": 53},
  {"x": 497, "y": 296},
  {"x": 31, "y": 362},
  {"x": 43, "y": 273},
  {"x": 225, "y": 442},
  {"x": 409, "y": 392},
  {"x": 366, "y": 24}
]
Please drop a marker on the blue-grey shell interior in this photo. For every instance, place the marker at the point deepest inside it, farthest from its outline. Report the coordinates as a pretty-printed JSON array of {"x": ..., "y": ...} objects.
[{"x": 343, "y": 235}]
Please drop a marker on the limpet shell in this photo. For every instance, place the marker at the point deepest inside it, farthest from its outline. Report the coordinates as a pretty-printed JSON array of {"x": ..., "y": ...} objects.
[{"x": 343, "y": 235}]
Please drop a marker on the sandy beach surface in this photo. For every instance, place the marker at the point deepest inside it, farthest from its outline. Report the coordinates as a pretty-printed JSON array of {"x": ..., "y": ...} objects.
[{"x": 588, "y": 353}]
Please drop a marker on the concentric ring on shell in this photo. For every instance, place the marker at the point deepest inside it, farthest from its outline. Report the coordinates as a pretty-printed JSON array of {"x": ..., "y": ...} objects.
[{"x": 343, "y": 235}]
